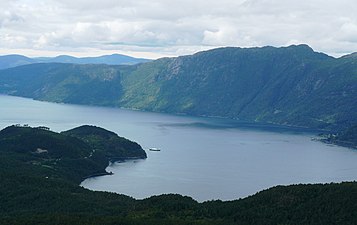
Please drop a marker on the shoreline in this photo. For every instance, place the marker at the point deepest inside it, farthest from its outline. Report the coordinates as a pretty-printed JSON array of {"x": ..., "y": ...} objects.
[
  {"x": 97, "y": 175},
  {"x": 235, "y": 119},
  {"x": 112, "y": 160}
]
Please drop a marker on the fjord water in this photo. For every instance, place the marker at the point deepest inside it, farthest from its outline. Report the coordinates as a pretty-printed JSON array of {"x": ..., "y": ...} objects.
[{"x": 204, "y": 158}]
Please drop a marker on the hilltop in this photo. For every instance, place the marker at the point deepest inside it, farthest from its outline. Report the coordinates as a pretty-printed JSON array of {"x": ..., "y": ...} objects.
[{"x": 107, "y": 142}]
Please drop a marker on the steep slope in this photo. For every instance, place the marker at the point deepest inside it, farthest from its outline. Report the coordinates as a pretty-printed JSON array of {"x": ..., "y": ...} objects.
[
  {"x": 293, "y": 86},
  {"x": 290, "y": 85}
]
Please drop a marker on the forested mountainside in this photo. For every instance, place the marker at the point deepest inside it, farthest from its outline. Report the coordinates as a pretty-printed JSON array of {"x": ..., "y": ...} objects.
[
  {"x": 290, "y": 85},
  {"x": 71, "y": 83},
  {"x": 68, "y": 155},
  {"x": 40, "y": 172}
]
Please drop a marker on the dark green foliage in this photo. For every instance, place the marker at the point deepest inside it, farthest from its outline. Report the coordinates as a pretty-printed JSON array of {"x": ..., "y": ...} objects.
[
  {"x": 65, "y": 156},
  {"x": 295, "y": 204},
  {"x": 291, "y": 85},
  {"x": 107, "y": 142},
  {"x": 34, "y": 191},
  {"x": 30, "y": 140}
]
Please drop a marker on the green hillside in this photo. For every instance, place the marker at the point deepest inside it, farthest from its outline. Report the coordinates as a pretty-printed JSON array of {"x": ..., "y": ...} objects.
[
  {"x": 40, "y": 172},
  {"x": 290, "y": 85},
  {"x": 57, "y": 82},
  {"x": 107, "y": 142},
  {"x": 65, "y": 156}
]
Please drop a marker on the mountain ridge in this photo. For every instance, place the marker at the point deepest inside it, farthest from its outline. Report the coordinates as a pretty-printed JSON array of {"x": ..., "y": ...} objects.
[
  {"x": 293, "y": 85},
  {"x": 14, "y": 60},
  {"x": 237, "y": 77}
]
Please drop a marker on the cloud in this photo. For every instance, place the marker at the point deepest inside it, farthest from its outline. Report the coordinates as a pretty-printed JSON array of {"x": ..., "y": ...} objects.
[
  {"x": 348, "y": 32},
  {"x": 161, "y": 27}
]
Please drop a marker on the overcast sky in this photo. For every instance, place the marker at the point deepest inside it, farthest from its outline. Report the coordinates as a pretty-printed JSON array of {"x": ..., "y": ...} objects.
[{"x": 156, "y": 28}]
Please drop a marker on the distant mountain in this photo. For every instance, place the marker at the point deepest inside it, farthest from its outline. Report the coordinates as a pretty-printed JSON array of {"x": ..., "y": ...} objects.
[
  {"x": 115, "y": 59},
  {"x": 290, "y": 85},
  {"x": 9, "y": 61}
]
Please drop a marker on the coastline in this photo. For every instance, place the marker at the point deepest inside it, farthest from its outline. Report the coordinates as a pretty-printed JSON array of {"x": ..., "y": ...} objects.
[{"x": 111, "y": 160}]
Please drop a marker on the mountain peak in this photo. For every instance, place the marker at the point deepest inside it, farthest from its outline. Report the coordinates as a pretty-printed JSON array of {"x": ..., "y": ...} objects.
[{"x": 301, "y": 46}]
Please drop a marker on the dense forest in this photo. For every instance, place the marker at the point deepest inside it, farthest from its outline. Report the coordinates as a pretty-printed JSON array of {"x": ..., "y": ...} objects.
[{"x": 40, "y": 172}]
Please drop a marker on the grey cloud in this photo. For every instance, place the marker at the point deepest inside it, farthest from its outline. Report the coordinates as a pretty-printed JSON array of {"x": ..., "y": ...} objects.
[{"x": 177, "y": 27}]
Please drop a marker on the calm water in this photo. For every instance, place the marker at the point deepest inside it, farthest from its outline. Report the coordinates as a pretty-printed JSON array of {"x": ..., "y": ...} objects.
[{"x": 200, "y": 157}]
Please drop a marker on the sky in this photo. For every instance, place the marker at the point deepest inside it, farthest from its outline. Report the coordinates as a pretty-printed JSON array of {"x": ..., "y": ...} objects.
[{"x": 160, "y": 28}]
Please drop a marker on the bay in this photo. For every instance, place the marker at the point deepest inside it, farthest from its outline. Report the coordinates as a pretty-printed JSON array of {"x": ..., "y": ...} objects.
[{"x": 205, "y": 158}]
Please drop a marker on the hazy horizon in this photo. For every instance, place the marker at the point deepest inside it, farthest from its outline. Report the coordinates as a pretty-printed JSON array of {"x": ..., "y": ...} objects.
[{"x": 85, "y": 55}]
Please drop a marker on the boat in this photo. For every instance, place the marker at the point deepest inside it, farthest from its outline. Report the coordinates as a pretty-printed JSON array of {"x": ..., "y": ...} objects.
[{"x": 154, "y": 149}]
